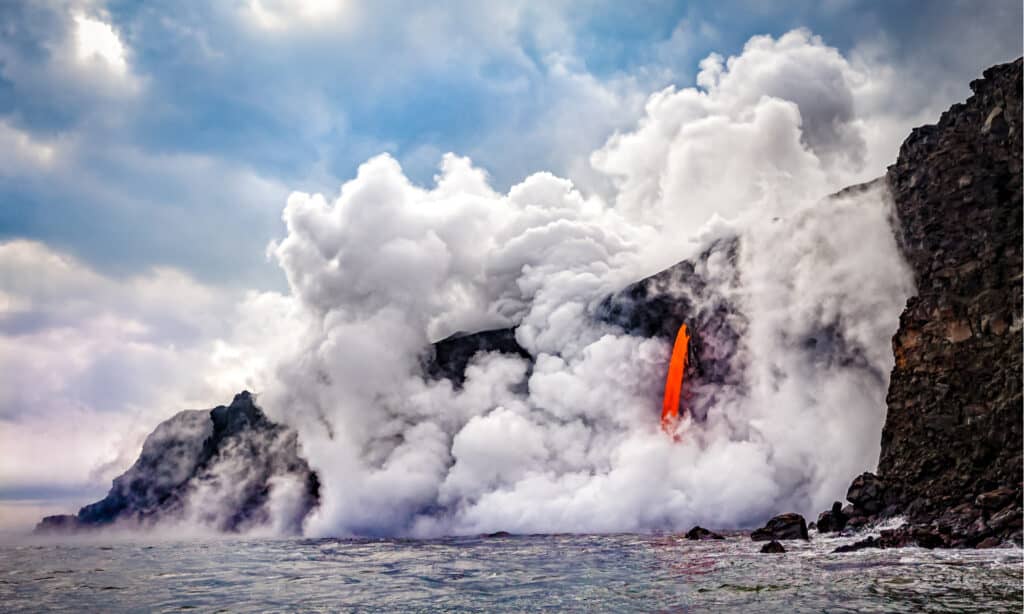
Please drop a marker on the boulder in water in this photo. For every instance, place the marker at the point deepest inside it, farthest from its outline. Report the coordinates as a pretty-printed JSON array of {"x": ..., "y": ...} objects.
[
  {"x": 833, "y": 520},
  {"x": 783, "y": 526},
  {"x": 865, "y": 493},
  {"x": 699, "y": 533}
]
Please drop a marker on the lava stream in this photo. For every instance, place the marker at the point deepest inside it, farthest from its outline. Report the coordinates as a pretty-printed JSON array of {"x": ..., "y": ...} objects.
[{"x": 674, "y": 382}]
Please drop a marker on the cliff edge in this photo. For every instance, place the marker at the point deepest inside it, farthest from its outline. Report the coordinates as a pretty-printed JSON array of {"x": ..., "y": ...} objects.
[{"x": 951, "y": 447}]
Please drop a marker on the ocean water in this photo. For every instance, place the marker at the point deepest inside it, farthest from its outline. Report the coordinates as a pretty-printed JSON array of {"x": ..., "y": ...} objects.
[{"x": 614, "y": 573}]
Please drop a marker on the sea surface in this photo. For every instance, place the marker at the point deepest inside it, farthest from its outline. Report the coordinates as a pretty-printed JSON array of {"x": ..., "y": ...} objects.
[{"x": 613, "y": 573}]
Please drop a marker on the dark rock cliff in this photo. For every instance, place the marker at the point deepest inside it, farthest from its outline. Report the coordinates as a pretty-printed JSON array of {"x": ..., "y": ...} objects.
[
  {"x": 953, "y": 429},
  {"x": 951, "y": 447},
  {"x": 218, "y": 468}
]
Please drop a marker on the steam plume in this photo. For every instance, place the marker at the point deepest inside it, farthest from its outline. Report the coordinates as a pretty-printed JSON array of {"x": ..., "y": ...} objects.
[{"x": 572, "y": 442}]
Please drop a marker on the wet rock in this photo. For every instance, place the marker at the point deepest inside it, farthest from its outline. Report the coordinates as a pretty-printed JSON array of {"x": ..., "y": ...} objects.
[
  {"x": 989, "y": 542},
  {"x": 995, "y": 499},
  {"x": 896, "y": 538},
  {"x": 1007, "y": 520},
  {"x": 865, "y": 493},
  {"x": 783, "y": 526},
  {"x": 700, "y": 533},
  {"x": 960, "y": 519},
  {"x": 773, "y": 547},
  {"x": 199, "y": 453},
  {"x": 833, "y": 520},
  {"x": 870, "y": 542},
  {"x": 497, "y": 534}
]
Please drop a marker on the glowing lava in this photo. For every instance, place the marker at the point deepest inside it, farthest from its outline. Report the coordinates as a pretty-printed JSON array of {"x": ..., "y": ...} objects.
[{"x": 674, "y": 381}]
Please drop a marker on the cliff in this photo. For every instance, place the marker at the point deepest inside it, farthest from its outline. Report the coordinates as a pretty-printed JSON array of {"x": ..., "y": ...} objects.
[
  {"x": 953, "y": 429},
  {"x": 951, "y": 446},
  {"x": 229, "y": 469}
]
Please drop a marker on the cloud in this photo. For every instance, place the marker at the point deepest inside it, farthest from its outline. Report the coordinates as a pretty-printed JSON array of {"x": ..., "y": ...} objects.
[
  {"x": 521, "y": 88},
  {"x": 96, "y": 40},
  {"x": 96, "y": 362},
  {"x": 277, "y": 15},
  {"x": 20, "y": 153}
]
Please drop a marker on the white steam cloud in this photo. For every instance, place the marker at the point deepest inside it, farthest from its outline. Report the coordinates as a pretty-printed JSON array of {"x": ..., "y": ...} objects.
[
  {"x": 389, "y": 267},
  {"x": 570, "y": 441}
]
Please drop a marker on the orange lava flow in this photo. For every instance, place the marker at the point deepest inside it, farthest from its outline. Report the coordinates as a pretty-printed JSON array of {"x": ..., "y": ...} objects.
[{"x": 674, "y": 381}]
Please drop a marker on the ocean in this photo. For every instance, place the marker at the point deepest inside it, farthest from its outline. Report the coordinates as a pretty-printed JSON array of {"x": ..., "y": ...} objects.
[{"x": 612, "y": 573}]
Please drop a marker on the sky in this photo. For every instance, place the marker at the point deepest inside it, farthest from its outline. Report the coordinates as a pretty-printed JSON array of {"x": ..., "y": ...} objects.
[{"x": 148, "y": 151}]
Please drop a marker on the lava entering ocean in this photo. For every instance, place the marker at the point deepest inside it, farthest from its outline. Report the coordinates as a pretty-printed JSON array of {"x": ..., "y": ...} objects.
[{"x": 674, "y": 381}]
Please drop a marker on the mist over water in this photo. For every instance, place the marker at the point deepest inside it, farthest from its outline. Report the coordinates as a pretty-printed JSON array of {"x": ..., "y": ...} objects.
[{"x": 573, "y": 444}]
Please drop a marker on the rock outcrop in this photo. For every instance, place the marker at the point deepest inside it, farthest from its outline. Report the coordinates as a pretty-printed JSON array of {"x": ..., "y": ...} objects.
[
  {"x": 831, "y": 521},
  {"x": 951, "y": 447},
  {"x": 228, "y": 469},
  {"x": 701, "y": 534},
  {"x": 783, "y": 526}
]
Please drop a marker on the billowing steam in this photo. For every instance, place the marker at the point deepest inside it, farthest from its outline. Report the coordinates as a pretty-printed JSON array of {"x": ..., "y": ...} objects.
[{"x": 573, "y": 442}]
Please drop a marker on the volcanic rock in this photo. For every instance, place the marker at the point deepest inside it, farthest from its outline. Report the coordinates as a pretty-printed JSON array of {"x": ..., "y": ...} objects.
[
  {"x": 223, "y": 468},
  {"x": 925, "y": 537},
  {"x": 773, "y": 547},
  {"x": 865, "y": 494},
  {"x": 449, "y": 357},
  {"x": 700, "y": 533},
  {"x": 953, "y": 425},
  {"x": 869, "y": 542},
  {"x": 833, "y": 520},
  {"x": 784, "y": 526},
  {"x": 995, "y": 499}
]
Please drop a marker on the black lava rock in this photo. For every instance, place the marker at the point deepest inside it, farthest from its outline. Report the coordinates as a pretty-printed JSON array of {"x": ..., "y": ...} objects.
[
  {"x": 953, "y": 427},
  {"x": 700, "y": 533},
  {"x": 449, "y": 357},
  {"x": 773, "y": 547},
  {"x": 865, "y": 494},
  {"x": 784, "y": 526},
  {"x": 833, "y": 520}
]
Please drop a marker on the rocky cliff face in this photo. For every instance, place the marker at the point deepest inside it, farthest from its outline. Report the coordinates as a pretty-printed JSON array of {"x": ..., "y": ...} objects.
[
  {"x": 953, "y": 429},
  {"x": 228, "y": 469},
  {"x": 951, "y": 447}
]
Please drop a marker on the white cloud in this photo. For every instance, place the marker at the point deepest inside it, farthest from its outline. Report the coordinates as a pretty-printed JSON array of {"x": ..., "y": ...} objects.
[
  {"x": 96, "y": 40},
  {"x": 93, "y": 363},
  {"x": 283, "y": 15},
  {"x": 20, "y": 152}
]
